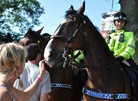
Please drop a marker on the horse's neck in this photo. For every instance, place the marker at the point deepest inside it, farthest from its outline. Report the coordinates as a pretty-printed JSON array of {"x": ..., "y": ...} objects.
[
  {"x": 96, "y": 51},
  {"x": 102, "y": 66},
  {"x": 62, "y": 75}
]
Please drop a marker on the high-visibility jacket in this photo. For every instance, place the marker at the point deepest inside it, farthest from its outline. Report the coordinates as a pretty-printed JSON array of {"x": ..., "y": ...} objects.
[
  {"x": 79, "y": 58},
  {"x": 122, "y": 43}
]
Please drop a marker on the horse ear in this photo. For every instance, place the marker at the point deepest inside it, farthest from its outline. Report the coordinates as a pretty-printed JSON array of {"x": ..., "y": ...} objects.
[
  {"x": 71, "y": 8},
  {"x": 39, "y": 31},
  {"x": 81, "y": 9},
  {"x": 29, "y": 30}
]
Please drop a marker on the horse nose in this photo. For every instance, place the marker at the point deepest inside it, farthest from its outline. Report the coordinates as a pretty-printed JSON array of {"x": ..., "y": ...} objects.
[{"x": 48, "y": 54}]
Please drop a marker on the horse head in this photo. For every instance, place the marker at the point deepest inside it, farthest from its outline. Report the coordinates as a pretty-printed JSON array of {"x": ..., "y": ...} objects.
[
  {"x": 34, "y": 37},
  {"x": 67, "y": 37}
]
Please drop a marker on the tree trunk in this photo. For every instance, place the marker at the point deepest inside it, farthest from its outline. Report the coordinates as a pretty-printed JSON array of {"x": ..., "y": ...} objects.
[{"x": 131, "y": 10}]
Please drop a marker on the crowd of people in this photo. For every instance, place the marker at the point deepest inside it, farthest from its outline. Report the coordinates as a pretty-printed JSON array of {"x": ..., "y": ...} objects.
[{"x": 31, "y": 71}]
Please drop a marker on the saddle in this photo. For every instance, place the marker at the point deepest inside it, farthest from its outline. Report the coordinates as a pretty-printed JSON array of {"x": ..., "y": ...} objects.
[{"x": 132, "y": 71}]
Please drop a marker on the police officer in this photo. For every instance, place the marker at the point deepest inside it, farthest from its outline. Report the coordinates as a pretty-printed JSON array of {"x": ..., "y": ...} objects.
[{"x": 121, "y": 42}]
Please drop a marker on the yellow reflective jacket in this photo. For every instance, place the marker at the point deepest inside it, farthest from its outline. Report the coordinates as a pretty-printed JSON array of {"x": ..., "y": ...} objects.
[
  {"x": 79, "y": 58},
  {"x": 122, "y": 44}
]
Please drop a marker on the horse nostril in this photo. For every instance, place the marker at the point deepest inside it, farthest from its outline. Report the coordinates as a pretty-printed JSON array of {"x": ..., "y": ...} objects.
[{"x": 50, "y": 54}]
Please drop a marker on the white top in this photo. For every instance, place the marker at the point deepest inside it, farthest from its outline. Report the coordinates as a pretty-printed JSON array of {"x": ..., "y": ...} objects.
[{"x": 29, "y": 75}]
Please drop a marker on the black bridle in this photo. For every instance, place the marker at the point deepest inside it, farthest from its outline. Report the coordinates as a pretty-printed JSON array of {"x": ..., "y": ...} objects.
[{"x": 68, "y": 42}]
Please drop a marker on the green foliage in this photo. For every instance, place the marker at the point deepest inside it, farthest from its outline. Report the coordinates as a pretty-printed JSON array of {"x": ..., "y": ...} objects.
[{"x": 22, "y": 14}]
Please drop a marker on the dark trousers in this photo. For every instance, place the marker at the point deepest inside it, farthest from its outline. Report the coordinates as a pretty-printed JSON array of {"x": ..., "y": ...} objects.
[{"x": 133, "y": 65}]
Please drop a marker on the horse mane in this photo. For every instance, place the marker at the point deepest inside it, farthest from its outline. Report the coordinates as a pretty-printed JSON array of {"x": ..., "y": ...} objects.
[{"x": 70, "y": 12}]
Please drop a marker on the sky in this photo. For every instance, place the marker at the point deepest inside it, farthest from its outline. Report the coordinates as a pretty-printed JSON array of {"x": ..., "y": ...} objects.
[{"x": 55, "y": 11}]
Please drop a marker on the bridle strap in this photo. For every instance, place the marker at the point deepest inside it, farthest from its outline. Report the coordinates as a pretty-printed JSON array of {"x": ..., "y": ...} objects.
[
  {"x": 58, "y": 37},
  {"x": 72, "y": 38},
  {"x": 68, "y": 44}
]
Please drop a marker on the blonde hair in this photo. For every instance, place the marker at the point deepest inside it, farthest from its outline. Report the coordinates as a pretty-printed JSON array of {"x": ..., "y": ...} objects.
[{"x": 12, "y": 55}]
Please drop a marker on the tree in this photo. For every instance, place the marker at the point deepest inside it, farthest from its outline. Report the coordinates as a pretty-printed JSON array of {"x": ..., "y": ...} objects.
[
  {"x": 131, "y": 10},
  {"x": 22, "y": 14}
]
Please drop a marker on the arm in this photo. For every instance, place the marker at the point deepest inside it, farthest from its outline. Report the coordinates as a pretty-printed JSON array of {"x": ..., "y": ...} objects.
[
  {"x": 130, "y": 47},
  {"x": 5, "y": 95},
  {"x": 45, "y": 87},
  {"x": 27, "y": 93}
]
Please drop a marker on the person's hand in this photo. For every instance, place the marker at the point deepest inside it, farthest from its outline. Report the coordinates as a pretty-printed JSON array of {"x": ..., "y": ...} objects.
[
  {"x": 42, "y": 68},
  {"x": 120, "y": 58},
  {"x": 47, "y": 66}
]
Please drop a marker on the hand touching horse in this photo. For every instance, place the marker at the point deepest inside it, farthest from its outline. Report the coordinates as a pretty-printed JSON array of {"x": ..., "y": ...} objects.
[{"x": 64, "y": 85}]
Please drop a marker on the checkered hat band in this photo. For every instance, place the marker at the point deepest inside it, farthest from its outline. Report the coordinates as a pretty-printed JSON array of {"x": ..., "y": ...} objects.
[{"x": 118, "y": 18}]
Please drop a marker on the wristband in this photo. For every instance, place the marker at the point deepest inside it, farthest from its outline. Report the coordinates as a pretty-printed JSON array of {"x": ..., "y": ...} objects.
[{"x": 39, "y": 79}]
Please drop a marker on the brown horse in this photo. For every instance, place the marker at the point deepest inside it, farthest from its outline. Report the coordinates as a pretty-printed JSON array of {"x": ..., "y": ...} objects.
[
  {"x": 35, "y": 37},
  {"x": 107, "y": 79},
  {"x": 65, "y": 82}
]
